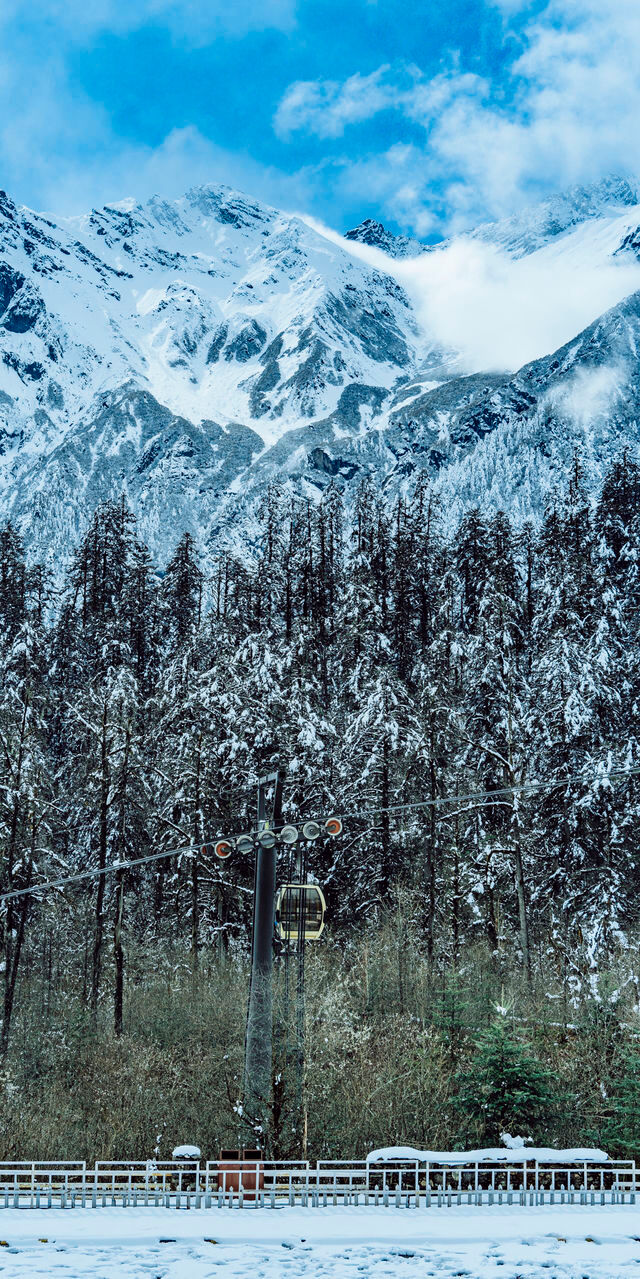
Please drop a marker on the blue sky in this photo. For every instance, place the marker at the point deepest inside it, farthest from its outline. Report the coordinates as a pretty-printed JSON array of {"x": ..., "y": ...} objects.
[{"x": 428, "y": 115}]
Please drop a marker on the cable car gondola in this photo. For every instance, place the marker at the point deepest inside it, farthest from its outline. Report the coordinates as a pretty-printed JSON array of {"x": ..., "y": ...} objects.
[{"x": 296, "y": 903}]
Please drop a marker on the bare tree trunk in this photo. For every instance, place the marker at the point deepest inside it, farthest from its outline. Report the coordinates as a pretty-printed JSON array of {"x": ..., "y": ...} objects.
[
  {"x": 158, "y": 897},
  {"x": 521, "y": 886},
  {"x": 195, "y": 885},
  {"x": 118, "y": 951},
  {"x": 455, "y": 902},
  {"x": 11, "y": 952},
  {"x": 521, "y": 889},
  {"x": 102, "y": 861},
  {"x": 118, "y": 956},
  {"x": 512, "y": 780},
  {"x": 10, "y": 984},
  {"x": 492, "y": 914},
  {"x": 431, "y": 866},
  {"x": 385, "y": 791},
  {"x": 12, "y": 957}
]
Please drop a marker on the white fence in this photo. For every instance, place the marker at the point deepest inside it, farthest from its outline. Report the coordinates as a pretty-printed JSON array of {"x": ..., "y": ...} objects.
[{"x": 268, "y": 1183}]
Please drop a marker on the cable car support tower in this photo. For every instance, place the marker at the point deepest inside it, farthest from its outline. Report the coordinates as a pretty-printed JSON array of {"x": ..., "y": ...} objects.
[{"x": 295, "y": 916}]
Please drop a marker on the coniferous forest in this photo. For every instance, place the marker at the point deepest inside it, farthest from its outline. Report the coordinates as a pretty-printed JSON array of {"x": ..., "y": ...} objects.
[{"x": 380, "y": 661}]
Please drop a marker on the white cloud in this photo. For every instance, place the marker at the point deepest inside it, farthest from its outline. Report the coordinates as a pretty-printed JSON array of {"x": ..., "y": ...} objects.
[
  {"x": 398, "y": 179},
  {"x": 184, "y": 158},
  {"x": 589, "y": 396},
  {"x": 60, "y": 146},
  {"x": 573, "y": 114},
  {"x": 326, "y": 107},
  {"x": 500, "y": 313},
  {"x": 59, "y": 149},
  {"x": 191, "y": 21},
  {"x": 565, "y": 111}
]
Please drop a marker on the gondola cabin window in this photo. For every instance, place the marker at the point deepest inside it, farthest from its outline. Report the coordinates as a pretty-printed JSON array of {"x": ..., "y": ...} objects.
[{"x": 300, "y": 912}]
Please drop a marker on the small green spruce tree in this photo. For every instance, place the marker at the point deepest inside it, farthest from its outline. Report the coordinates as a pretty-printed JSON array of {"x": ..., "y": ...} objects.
[
  {"x": 451, "y": 1014},
  {"x": 506, "y": 1089},
  {"x": 621, "y": 1131}
]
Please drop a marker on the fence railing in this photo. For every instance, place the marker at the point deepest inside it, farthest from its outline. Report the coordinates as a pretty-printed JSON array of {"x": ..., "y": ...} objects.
[
  {"x": 271, "y": 1183},
  {"x": 502, "y": 1176}
]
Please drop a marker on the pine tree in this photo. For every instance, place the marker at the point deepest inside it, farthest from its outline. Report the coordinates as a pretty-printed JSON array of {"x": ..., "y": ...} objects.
[
  {"x": 13, "y": 582},
  {"x": 26, "y": 794},
  {"x": 182, "y": 589},
  {"x": 472, "y": 553},
  {"x": 622, "y": 1129},
  {"x": 495, "y": 702},
  {"x": 506, "y": 1089},
  {"x": 560, "y": 721}
]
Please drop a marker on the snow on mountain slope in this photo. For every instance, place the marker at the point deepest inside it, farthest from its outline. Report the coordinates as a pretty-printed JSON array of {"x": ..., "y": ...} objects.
[
  {"x": 507, "y": 442},
  {"x": 533, "y": 227},
  {"x": 217, "y": 305},
  {"x": 159, "y": 348},
  {"x": 189, "y": 352},
  {"x": 501, "y": 312},
  {"x": 378, "y": 237},
  {"x": 525, "y": 231}
]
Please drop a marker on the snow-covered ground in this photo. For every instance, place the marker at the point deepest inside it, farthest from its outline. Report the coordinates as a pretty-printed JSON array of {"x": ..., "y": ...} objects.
[{"x": 334, "y": 1243}]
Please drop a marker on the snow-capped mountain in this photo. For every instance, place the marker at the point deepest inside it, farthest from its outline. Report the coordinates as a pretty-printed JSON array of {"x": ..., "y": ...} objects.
[
  {"x": 536, "y": 226},
  {"x": 188, "y": 352},
  {"x": 377, "y": 236}
]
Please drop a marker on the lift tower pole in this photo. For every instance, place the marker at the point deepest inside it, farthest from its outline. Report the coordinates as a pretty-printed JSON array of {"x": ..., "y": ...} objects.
[{"x": 259, "y": 1038}]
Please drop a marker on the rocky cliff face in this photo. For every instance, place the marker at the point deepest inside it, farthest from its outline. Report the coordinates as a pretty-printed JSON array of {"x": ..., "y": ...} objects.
[
  {"x": 377, "y": 236},
  {"x": 189, "y": 352}
]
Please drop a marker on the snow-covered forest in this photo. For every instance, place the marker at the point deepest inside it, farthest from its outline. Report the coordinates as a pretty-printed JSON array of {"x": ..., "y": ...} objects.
[{"x": 377, "y": 662}]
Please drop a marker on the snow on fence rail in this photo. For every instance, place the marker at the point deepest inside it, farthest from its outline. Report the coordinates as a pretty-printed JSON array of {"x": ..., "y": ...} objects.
[{"x": 268, "y": 1183}]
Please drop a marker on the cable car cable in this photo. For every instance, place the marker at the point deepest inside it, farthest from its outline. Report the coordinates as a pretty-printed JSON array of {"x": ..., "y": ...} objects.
[
  {"x": 489, "y": 795},
  {"x": 438, "y": 800},
  {"x": 96, "y": 871}
]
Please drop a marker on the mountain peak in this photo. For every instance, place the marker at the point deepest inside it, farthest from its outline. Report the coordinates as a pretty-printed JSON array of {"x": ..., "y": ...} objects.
[
  {"x": 376, "y": 235},
  {"x": 228, "y": 205},
  {"x": 528, "y": 229},
  {"x": 193, "y": 350}
]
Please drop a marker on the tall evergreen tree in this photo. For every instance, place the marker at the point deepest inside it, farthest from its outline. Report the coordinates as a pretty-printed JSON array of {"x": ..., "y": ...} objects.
[{"x": 182, "y": 592}]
